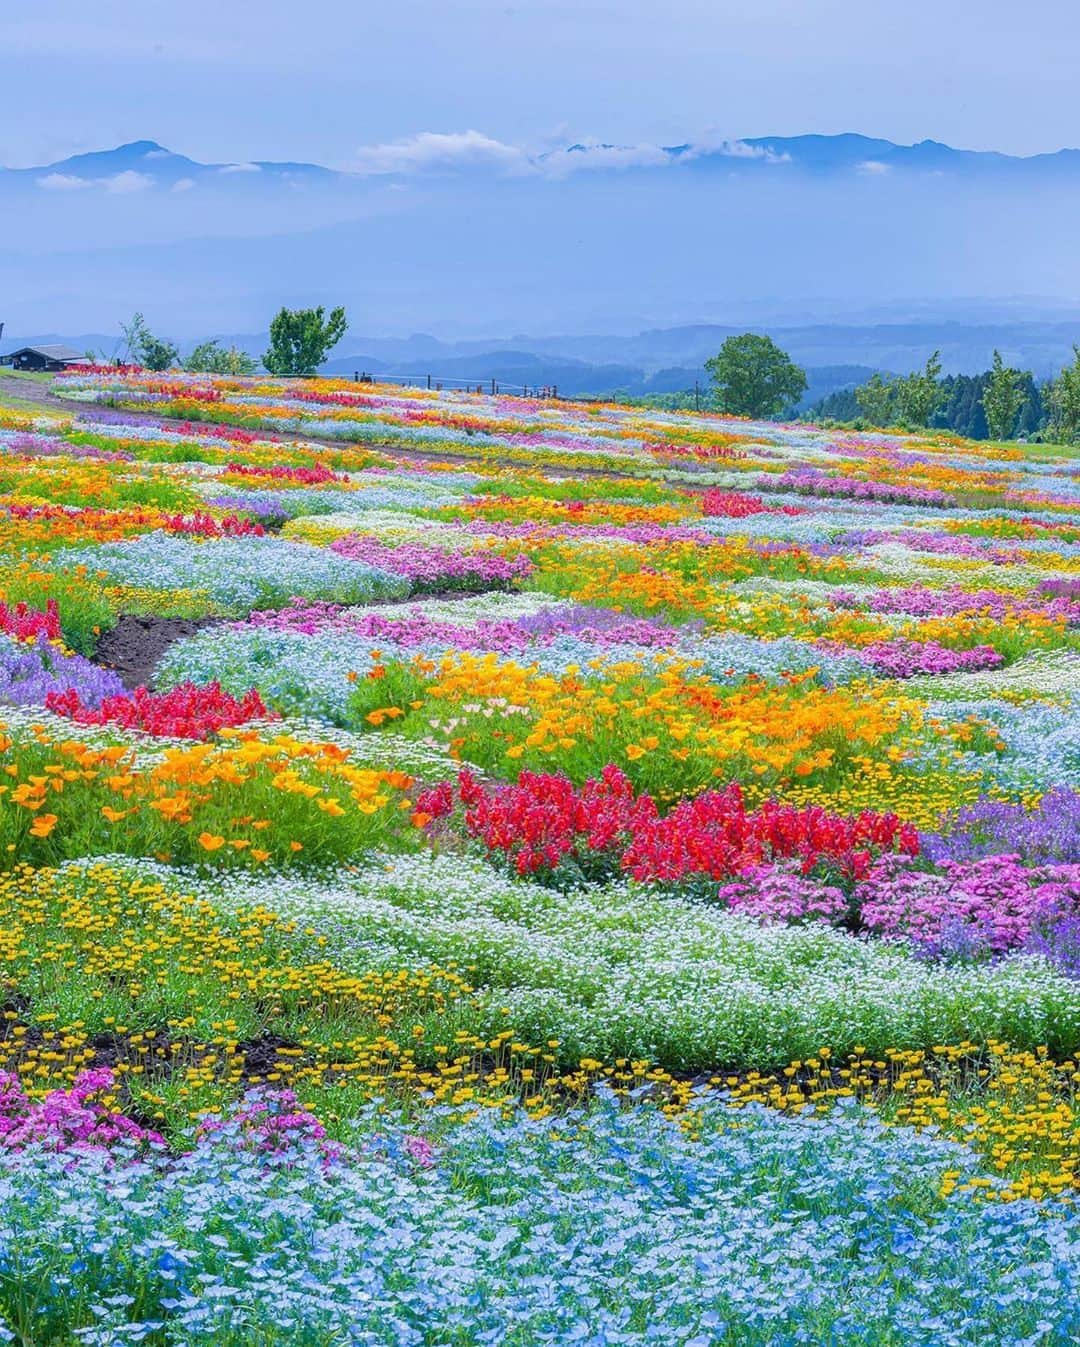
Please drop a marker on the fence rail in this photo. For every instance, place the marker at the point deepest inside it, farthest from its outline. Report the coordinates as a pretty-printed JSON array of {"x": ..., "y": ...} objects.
[
  {"x": 493, "y": 386},
  {"x": 439, "y": 382}
]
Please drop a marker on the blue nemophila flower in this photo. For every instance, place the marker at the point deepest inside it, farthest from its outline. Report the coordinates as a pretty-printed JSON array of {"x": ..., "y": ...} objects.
[
  {"x": 607, "y": 1225},
  {"x": 237, "y": 574}
]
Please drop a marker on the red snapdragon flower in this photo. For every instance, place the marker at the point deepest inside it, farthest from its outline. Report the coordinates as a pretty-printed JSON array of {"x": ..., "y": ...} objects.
[
  {"x": 284, "y": 472},
  {"x": 540, "y": 821},
  {"x": 188, "y": 711},
  {"x": 738, "y": 504},
  {"x": 203, "y": 525},
  {"x": 27, "y": 624}
]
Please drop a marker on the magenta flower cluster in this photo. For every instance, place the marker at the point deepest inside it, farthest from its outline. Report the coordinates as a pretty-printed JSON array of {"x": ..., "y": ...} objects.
[
  {"x": 40, "y": 446},
  {"x": 627, "y": 533},
  {"x": 1062, "y": 589},
  {"x": 953, "y": 545},
  {"x": 814, "y": 482},
  {"x": 920, "y": 601},
  {"x": 269, "y": 1122},
  {"x": 413, "y": 628},
  {"x": 80, "y": 1120},
  {"x": 431, "y": 568},
  {"x": 774, "y": 893},
  {"x": 997, "y": 896},
  {"x": 67, "y": 1119},
  {"x": 905, "y": 659}
]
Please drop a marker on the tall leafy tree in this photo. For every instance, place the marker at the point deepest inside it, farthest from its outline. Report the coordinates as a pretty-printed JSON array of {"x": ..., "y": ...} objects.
[
  {"x": 838, "y": 406},
  {"x": 918, "y": 394},
  {"x": 301, "y": 338},
  {"x": 877, "y": 400},
  {"x": 1033, "y": 412},
  {"x": 1002, "y": 399},
  {"x": 134, "y": 334},
  {"x": 960, "y": 408},
  {"x": 754, "y": 377},
  {"x": 144, "y": 348},
  {"x": 1064, "y": 400},
  {"x": 210, "y": 357}
]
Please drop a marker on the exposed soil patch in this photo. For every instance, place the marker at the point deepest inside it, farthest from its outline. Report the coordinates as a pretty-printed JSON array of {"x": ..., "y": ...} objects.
[
  {"x": 134, "y": 646},
  {"x": 31, "y": 394},
  {"x": 155, "y": 1053}
]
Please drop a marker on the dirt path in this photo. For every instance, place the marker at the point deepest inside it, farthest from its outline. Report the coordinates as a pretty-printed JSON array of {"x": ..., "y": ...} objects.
[
  {"x": 134, "y": 646},
  {"x": 31, "y": 394}
]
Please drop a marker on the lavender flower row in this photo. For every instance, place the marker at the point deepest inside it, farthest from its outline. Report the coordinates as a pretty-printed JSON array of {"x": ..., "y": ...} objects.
[{"x": 431, "y": 567}]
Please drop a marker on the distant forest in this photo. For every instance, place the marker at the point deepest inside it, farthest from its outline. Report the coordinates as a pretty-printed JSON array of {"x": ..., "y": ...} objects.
[
  {"x": 953, "y": 402},
  {"x": 960, "y": 409}
]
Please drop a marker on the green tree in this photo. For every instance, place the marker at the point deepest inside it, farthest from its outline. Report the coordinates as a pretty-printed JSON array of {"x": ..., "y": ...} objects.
[
  {"x": 301, "y": 338},
  {"x": 877, "y": 399},
  {"x": 754, "y": 377},
  {"x": 210, "y": 357},
  {"x": 1002, "y": 399},
  {"x": 159, "y": 355},
  {"x": 134, "y": 334},
  {"x": 1033, "y": 413},
  {"x": 1063, "y": 398},
  {"x": 144, "y": 348},
  {"x": 960, "y": 407},
  {"x": 918, "y": 394}
]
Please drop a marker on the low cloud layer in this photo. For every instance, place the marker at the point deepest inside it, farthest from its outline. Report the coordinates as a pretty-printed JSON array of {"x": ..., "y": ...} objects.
[
  {"x": 119, "y": 184},
  {"x": 734, "y": 149},
  {"x": 447, "y": 152},
  {"x": 434, "y": 151},
  {"x": 63, "y": 182}
]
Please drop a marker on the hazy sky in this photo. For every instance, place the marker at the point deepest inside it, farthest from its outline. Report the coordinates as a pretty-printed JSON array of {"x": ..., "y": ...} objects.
[{"x": 235, "y": 79}]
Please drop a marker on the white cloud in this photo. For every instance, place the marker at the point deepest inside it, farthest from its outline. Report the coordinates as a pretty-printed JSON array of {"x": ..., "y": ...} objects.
[
  {"x": 438, "y": 151},
  {"x": 872, "y": 168},
  {"x": 183, "y": 185},
  {"x": 240, "y": 168},
  {"x": 594, "y": 156},
  {"x": 435, "y": 150},
  {"x": 62, "y": 182},
  {"x": 122, "y": 184},
  {"x": 711, "y": 143}
]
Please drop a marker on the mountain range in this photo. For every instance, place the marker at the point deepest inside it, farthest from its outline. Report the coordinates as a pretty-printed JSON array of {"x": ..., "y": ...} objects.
[
  {"x": 144, "y": 164},
  {"x": 661, "y": 360},
  {"x": 463, "y": 234}
]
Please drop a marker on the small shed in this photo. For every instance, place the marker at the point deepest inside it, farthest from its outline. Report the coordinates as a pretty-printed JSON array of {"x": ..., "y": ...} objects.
[{"x": 54, "y": 356}]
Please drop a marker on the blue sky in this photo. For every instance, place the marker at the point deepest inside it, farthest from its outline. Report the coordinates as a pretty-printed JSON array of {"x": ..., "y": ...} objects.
[{"x": 233, "y": 79}]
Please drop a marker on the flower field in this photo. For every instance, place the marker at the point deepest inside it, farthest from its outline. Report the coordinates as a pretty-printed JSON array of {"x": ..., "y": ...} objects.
[{"x": 569, "y": 874}]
